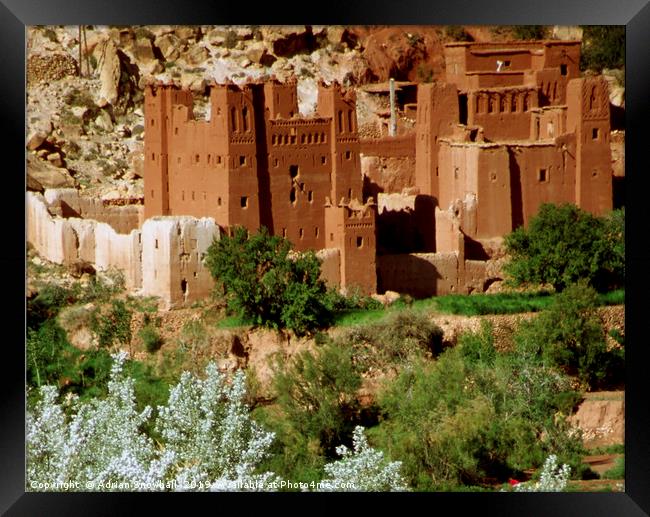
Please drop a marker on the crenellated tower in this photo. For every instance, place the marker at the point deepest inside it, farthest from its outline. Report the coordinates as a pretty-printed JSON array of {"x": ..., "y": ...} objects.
[{"x": 346, "y": 177}]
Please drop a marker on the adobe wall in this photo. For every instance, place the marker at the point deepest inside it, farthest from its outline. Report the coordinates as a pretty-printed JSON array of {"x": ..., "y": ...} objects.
[
  {"x": 330, "y": 268},
  {"x": 503, "y": 113},
  {"x": 64, "y": 241},
  {"x": 397, "y": 146},
  {"x": 173, "y": 250},
  {"x": 386, "y": 174},
  {"x": 54, "y": 238},
  {"x": 418, "y": 274},
  {"x": 114, "y": 250},
  {"x": 69, "y": 203}
]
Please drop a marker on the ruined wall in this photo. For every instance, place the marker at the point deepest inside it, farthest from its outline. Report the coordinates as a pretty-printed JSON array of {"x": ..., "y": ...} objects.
[
  {"x": 64, "y": 241},
  {"x": 418, "y": 274},
  {"x": 54, "y": 238},
  {"x": 69, "y": 203},
  {"x": 173, "y": 250}
]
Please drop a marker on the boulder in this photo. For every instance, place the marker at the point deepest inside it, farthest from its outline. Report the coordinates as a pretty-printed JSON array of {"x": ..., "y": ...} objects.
[
  {"x": 47, "y": 175},
  {"x": 145, "y": 58},
  {"x": 170, "y": 46},
  {"x": 55, "y": 159},
  {"x": 104, "y": 122},
  {"x": 196, "y": 55},
  {"x": 109, "y": 72},
  {"x": 188, "y": 32},
  {"x": 261, "y": 56}
]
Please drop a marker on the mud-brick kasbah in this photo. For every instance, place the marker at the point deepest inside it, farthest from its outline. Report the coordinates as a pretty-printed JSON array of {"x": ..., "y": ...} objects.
[{"x": 513, "y": 125}]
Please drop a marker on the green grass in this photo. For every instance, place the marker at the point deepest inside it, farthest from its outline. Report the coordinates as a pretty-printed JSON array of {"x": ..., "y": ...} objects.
[
  {"x": 618, "y": 448},
  {"x": 232, "y": 322}
]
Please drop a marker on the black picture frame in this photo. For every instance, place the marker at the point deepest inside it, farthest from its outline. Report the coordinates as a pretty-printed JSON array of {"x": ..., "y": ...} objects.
[{"x": 15, "y": 15}]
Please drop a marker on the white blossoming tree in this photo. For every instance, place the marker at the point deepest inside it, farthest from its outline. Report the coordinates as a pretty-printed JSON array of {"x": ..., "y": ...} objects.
[
  {"x": 363, "y": 469},
  {"x": 552, "y": 479},
  {"x": 209, "y": 441}
]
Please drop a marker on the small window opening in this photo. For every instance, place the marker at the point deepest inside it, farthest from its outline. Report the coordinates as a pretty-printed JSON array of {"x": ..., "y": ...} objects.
[
  {"x": 301, "y": 232},
  {"x": 293, "y": 171},
  {"x": 493, "y": 176},
  {"x": 506, "y": 63},
  {"x": 542, "y": 175},
  {"x": 244, "y": 201},
  {"x": 152, "y": 194},
  {"x": 315, "y": 231},
  {"x": 348, "y": 155},
  {"x": 218, "y": 201},
  {"x": 310, "y": 196},
  {"x": 563, "y": 69},
  {"x": 594, "y": 133},
  {"x": 153, "y": 156},
  {"x": 184, "y": 286},
  {"x": 323, "y": 160},
  {"x": 275, "y": 162},
  {"x": 292, "y": 195},
  {"x": 359, "y": 242},
  {"x": 175, "y": 130},
  {"x": 331, "y": 236},
  {"x": 192, "y": 195},
  {"x": 350, "y": 193},
  {"x": 196, "y": 158},
  {"x": 284, "y": 232},
  {"x": 242, "y": 160},
  {"x": 156, "y": 244}
]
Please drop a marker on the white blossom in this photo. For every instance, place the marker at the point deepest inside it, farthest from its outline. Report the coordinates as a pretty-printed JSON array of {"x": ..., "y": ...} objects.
[
  {"x": 552, "y": 479},
  {"x": 362, "y": 470}
]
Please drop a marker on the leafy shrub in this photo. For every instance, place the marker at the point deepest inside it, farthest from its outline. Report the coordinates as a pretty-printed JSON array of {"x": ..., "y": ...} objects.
[
  {"x": 114, "y": 325},
  {"x": 151, "y": 338},
  {"x": 529, "y": 32},
  {"x": 474, "y": 414},
  {"x": 265, "y": 285},
  {"x": 564, "y": 244},
  {"x": 570, "y": 335},
  {"x": 457, "y": 33},
  {"x": 603, "y": 46},
  {"x": 401, "y": 336}
]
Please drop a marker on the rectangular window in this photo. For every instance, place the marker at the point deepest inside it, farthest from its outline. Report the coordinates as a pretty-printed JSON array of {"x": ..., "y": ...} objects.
[
  {"x": 563, "y": 69},
  {"x": 348, "y": 155},
  {"x": 218, "y": 201},
  {"x": 315, "y": 231},
  {"x": 244, "y": 201},
  {"x": 594, "y": 133},
  {"x": 323, "y": 160},
  {"x": 542, "y": 175},
  {"x": 331, "y": 236},
  {"x": 152, "y": 194},
  {"x": 310, "y": 196},
  {"x": 153, "y": 157},
  {"x": 156, "y": 244},
  {"x": 219, "y": 160},
  {"x": 192, "y": 195},
  {"x": 284, "y": 232},
  {"x": 196, "y": 158},
  {"x": 242, "y": 160},
  {"x": 182, "y": 195},
  {"x": 301, "y": 232},
  {"x": 359, "y": 242}
]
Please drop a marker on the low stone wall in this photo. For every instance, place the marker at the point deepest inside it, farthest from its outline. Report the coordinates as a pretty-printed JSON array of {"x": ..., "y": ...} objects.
[{"x": 418, "y": 274}]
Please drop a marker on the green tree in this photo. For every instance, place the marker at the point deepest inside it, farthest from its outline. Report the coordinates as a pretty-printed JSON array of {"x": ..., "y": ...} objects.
[
  {"x": 564, "y": 244},
  {"x": 569, "y": 335},
  {"x": 603, "y": 46},
  {"x": 266, "y": 285}
]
